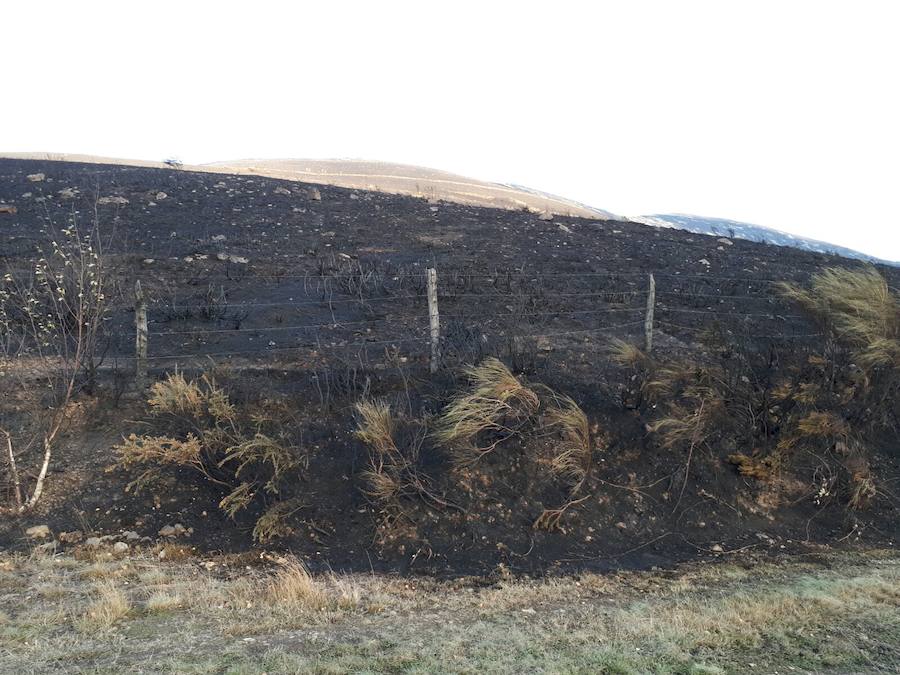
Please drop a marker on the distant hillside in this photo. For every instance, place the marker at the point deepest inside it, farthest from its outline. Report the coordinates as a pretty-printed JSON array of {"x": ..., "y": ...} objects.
[
  {"x": 735, "y": 229},
  {"x": 357, "y": 174}
]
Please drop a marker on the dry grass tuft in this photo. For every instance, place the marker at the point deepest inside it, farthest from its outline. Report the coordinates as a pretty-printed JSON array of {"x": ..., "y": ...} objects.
[
  {"x": 688, "y": 425},
  {"x": 157, "y": 453},
  {"x": 495, "y": 406},
  {"x": 245, "y": 450},
  {"x": 274, "y": 523},
  {"x": 858, "y": 306},
  {"x": 109, "y": 606},
  {"x": 763, "y": 469},
  {"x": 293, "y": 588},
  {"x": 160, "y": 602},
  {"x": 393, "y": 471},
  {"x": 573, "y": 459},
  {"x": 819, "y": 424},
  {"x": 862, "y": 486},
  {"x": 626, "y": 354},
  {"x": 375, "y": 428}
]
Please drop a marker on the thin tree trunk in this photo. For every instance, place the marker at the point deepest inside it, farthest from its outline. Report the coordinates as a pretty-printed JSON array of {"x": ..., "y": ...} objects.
[
  {"x": 39, "y": 484},
  {"x": 14, "y": 471}
]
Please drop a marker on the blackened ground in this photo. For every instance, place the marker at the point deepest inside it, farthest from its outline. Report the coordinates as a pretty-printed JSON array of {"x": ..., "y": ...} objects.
[{"x": 316, "y": 294}]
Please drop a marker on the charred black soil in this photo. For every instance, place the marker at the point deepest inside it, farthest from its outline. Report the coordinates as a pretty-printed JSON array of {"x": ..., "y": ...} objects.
[{"x": 314, "y": 297}]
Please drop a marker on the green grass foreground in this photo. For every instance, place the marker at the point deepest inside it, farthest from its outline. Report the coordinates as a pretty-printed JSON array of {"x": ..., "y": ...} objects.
[{"x": 824, "y": 613}]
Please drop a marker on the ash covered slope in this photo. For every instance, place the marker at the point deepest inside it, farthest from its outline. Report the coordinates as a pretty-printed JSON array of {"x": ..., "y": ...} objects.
[
  {"x": 311, "y": 299},
  {"x": 723, "y": 227}
]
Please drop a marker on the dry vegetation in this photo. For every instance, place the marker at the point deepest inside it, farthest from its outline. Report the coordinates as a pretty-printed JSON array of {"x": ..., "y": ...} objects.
[
  {"x": 248, "y": 449},
  {"x": 836, "y": 614},
  {"x": 768, "y": 417},
  {"x": 493, "y": 409}
]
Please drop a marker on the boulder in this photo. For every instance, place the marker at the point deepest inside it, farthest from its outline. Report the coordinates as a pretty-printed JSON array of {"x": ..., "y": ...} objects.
[{"x": 35, "y": 177}]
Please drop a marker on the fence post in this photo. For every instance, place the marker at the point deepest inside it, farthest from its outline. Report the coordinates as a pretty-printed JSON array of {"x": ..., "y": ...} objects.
[
  {"x": 434, "y": 318},
  {"x": 140, "y": 341},
  {"x": 648, "y": 321}
]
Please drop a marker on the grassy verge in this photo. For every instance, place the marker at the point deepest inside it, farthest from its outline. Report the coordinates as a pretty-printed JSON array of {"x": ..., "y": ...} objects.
[{"x": 835, "y": 613}]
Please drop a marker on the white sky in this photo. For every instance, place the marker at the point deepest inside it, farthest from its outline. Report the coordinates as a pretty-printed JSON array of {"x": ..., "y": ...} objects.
[{"x": 783, "y": 113}]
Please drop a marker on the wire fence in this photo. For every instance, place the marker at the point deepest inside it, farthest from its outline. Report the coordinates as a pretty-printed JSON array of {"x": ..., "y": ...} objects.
[{"x": 398, "y": 319}]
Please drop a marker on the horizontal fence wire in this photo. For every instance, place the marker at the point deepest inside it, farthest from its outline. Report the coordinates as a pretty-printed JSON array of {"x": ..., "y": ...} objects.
[
  {"x": 373, "y": 343},
  {"x": 339, "y": 324}
]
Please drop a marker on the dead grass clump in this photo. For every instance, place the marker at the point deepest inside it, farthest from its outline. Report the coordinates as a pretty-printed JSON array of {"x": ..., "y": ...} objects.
[
  {"x": 108, "y": 606},
  {"x": 572, "y": 456},
  {"x": 160, "y": 602},
  {"x": 274, "y": 523},
  {"x": 393, "y": 469},
  {"x": 247, "y": 451},
  {"x": 859, "y": 308},
  {"x": 492, "y": 410},
  {"x": 156, "y": 453},
  {"x": 572, "y": 461},
  {"x": 819, "y": 424},
  {"x": 626, "y": 354},
  {"x": 761, "y": 468},
  {"x": 293, "y": 588}
]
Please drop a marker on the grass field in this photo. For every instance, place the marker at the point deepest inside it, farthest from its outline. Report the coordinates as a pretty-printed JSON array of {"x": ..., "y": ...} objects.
[{"x": 823, "y": 613}]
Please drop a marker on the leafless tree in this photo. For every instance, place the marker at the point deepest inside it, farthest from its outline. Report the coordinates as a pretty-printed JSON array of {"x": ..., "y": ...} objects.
[{"x": 52, "y": 316}]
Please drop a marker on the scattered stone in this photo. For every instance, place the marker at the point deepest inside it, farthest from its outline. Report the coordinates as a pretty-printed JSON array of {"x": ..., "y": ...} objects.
[
  {"x": 434, "y": 209},
  {"x": 49, "y": 547},
  {"x": 544, "y": 344},
  {"x": 131, "y": 535},
  {"x": 717, "y": 548},
  {"x": 236, "y": 259},
  {"x": 70, "y": 537},
  {"x": 168, "y": 531},
  {"x": 179, "y": 529},
  {"x": 121, "y": 201},
  {"x": 726, "y": 241},
  {"x": 120, "y": 548},
  {"x": 149, "y": 261},
  {"x": 188, "y": 259},
  {"x": 37, "y": 532},
  {"x": 704, "y": 261},
  {"x": 35, "y": 177},
  {"x": 621, "y": 525},
  {"x": 282, "y": 191},
  {"x": 315, "y": 195},
  {"x": 546, "y": 215},
  {"x": 564, "y": 228},
  {"x": 160, "y": 196},
  {"x": 68, "y": 193},
  {"x": 8, "y": 208},
  {"x": 93, "y": 542},
  {"x": 218, "y": 237}
]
